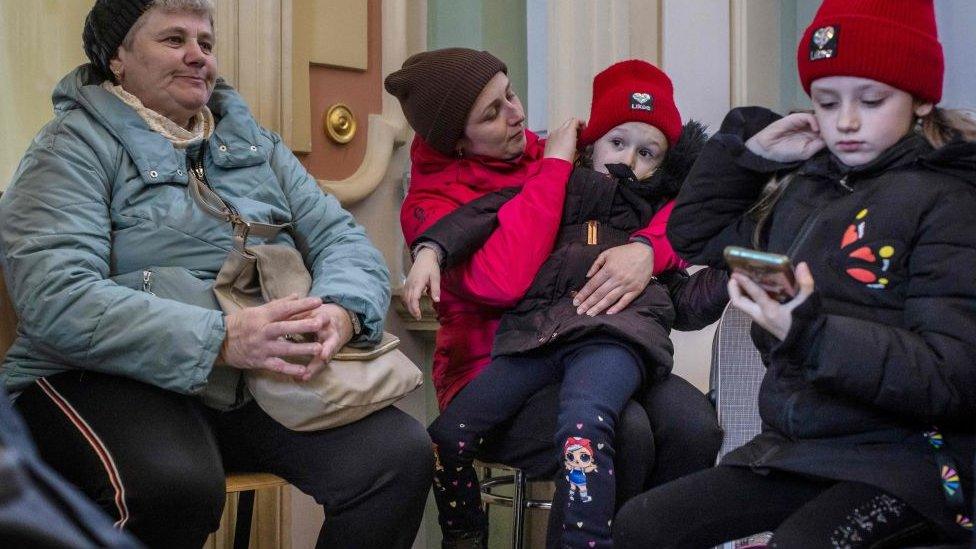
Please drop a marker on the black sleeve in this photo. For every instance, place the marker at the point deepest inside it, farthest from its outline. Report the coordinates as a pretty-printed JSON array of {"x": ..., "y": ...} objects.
[
  {"x": 725, "y": 182},
  {"x": 465, "y": 230},
  {"x": 699, "y": 299}
]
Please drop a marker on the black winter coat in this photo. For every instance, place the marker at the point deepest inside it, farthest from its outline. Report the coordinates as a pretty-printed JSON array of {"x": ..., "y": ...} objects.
[
  {"x": 616, "y": 208},
  {"x": 885, "y": 348}
]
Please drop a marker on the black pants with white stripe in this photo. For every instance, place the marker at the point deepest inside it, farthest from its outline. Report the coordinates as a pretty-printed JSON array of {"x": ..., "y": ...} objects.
[{"x": 154, "y": 460}]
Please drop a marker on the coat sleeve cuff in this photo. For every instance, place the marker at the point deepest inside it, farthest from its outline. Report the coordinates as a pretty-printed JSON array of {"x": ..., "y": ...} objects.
[
  {"x": 421, "y": 244},
  {"x": 800, "y": 341},
  {"x": 643, "y": 240},
  {"x": 211, "y": 351}
]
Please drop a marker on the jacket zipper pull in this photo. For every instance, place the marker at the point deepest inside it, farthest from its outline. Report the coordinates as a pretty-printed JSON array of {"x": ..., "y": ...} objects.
[
  {"x": 843, "y": 183},
  {"x": 592, "y": 233},
  {"x": 147, "y": 281}
]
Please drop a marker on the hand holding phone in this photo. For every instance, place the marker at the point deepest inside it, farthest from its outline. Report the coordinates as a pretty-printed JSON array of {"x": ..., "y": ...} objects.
[{"x": 771, "y": 272}]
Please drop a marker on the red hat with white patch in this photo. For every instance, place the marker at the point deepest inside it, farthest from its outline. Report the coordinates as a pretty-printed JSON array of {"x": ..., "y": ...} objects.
[
  {"x": 891, "y": 41},
  {"x": 632, "y": 91}
]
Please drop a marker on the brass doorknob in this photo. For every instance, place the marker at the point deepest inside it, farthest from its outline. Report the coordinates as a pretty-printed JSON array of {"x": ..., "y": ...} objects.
[{"x": 340, "y": 124}]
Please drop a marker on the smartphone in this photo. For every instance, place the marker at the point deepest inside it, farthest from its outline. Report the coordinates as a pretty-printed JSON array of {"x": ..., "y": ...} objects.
[{"x": 772, "y": 272}]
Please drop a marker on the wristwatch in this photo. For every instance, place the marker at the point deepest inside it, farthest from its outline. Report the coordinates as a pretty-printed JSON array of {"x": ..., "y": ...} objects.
[{"x": 357, "y": 325}]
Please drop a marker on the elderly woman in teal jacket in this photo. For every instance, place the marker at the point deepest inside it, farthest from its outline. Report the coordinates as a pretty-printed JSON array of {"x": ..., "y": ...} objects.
[{"x": 131, "y": 392}]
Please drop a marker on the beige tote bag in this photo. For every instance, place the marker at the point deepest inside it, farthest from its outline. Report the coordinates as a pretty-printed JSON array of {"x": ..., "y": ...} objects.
[{"x": 355, "y": 383}]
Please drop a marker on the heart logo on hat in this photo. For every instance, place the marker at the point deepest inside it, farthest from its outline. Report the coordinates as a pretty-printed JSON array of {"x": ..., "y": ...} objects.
[
  {"x": 823, "y": 43},
  {"x": 823, "y": 36},
  {"x": 641, "y": 101}
]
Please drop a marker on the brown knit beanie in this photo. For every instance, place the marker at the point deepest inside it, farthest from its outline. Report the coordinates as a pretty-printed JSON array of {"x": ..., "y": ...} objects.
[
  {"x": 437, "y": 89},
  {"x": 106, "y": 26}
]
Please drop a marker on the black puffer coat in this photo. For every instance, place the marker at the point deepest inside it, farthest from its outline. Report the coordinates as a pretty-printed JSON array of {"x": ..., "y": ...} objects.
[
  {"x": 616, "y": 207},
  {"x": 885, "y": 348}
]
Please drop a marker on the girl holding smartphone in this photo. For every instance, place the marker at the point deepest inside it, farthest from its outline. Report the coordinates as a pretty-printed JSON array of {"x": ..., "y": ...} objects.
[{"x": 870, "y": 391}]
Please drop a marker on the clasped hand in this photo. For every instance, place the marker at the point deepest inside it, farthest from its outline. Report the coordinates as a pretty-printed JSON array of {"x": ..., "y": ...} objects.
[{"x": 257, "y": 337}]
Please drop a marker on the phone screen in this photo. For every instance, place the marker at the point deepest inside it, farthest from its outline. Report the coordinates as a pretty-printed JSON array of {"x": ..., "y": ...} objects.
[
  {"x": 771, "y": 272},
  {"x": 777, "y": 284}
]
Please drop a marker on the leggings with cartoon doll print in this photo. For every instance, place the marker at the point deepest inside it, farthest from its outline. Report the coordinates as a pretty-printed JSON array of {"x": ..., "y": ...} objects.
[{"x": 597, "y": 380}]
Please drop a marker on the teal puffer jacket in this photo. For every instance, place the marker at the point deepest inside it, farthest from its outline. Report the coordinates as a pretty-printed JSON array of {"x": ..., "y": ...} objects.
[{"x": 100, "y": 202}]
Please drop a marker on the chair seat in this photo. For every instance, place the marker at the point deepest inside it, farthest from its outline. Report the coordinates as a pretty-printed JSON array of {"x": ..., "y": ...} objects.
[
  {"x": 257, "y": 513},
  {"x": 243, "y": 482}
]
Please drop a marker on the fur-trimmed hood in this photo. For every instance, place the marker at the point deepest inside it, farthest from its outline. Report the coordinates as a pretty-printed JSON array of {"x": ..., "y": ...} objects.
[{"x": 666, "y": 181}]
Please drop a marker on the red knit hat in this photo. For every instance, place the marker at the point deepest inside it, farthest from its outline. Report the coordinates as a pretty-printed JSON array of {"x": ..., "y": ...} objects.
[
  {"x": 632, "y": 91},
  {"x": 891, "y": 41}
]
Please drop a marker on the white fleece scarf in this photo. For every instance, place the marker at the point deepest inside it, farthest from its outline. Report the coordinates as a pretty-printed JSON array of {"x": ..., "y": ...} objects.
[{"x": 201, "y": 125}]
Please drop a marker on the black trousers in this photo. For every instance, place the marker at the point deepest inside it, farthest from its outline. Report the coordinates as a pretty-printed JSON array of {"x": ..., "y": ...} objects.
[
  {"x": 155, "y": 460},
  {"x": 595, "y": 380},
  {"x": 726, "y": 503},
  {"x": 668, "y": 431}
]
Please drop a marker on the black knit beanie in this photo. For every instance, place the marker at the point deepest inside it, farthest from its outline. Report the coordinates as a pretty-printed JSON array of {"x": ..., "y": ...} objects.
[
  {"x": 106, "y": 26},
  {"x": 437, "y": 89}
]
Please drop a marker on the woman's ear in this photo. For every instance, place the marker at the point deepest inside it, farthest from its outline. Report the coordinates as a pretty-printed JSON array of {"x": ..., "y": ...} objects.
[
  {"x": 460, "y": 146},
  {"x": 923, "y": 109},
  {"x": 116, "y": 67}
]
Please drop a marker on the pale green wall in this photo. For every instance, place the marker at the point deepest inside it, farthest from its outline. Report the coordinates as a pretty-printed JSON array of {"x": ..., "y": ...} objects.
[
  {"x": 494, "y": 25},
  {"x": 497, "y": 26},
  {"x": 794, "y": 19}
]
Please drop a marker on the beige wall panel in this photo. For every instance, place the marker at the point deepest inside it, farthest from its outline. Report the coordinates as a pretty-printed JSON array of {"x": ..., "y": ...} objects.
[
  {"x": 40, "y": 41},
  {"x": 338, "y": 36},
  {"x": 696, "y": 57},
  {"x": 225, "y": 28},
  {"x": 645, "y": 37},
  {"x": 251, "y": 53},
  {"x": 258, "y": 59},
  {"x": 586, "y": 36},
  {"x": 327, "y": 32},
  {"x": 755, "y": 59}
]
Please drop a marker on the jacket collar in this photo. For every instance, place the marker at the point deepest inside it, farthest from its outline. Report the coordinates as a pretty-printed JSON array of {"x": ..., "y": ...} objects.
[
  {"x": 234, "y": 143},
  {"x": 904, "y": 153},
  {"x": 477, "y": 173},
  {"x": 667, "y": 180},
  {"x": 956, "y": 159}
]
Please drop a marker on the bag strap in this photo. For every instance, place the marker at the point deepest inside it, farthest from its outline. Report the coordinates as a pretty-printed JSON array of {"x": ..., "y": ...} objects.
[
  {"x": 211, "y": 203},
  {"x": 388, "y": 343}
]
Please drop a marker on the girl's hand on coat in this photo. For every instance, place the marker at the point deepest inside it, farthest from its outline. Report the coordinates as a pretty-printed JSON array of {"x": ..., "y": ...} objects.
[
  {"x": 255, "y": 337},
  {"x": 424, "y": 276},
  {"x": 561, "y": 142},
  {"x": 335, "y": 330},
  {"x": 772, "y": 315},
  {"x": 616, "y": 278},
  {"x": 792, "y": 138}
]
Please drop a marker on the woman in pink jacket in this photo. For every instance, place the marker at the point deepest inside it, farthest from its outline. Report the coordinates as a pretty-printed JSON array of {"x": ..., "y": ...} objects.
[{"x": 471, "y": 141}]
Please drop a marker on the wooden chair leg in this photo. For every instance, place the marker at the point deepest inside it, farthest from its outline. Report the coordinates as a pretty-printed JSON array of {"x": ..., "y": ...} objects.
[{"x": 242, "y": 527}]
